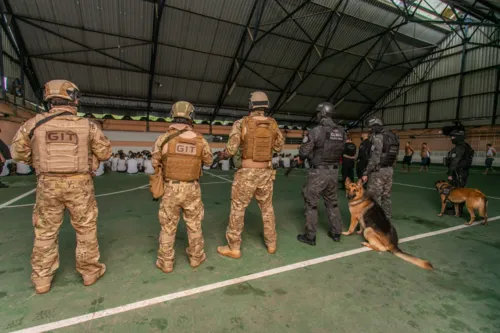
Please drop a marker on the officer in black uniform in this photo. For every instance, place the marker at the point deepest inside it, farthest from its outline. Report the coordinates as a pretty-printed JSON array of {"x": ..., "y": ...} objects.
[
  {"x": 323, "y": 146},
  {"x": 348, "y": 160},
  {"x": 459, "y": 161},
  {"x": 363, "y": 155}
]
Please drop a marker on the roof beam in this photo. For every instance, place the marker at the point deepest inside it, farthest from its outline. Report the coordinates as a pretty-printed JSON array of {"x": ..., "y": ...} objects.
[
  {"x": 13, "y": 33},
  {"x": 157, "y": 15},
  {"x": 230, "y": 79},
  {"x": 277, "y": 104}
]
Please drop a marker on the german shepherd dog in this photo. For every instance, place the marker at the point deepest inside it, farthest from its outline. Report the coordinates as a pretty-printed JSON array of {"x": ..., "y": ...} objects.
[
  {"x": 375, "y": 226},
  {"x": 473, "y": 199}
]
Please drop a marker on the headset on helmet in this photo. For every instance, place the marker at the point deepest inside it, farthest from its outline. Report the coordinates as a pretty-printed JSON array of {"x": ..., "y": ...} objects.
[
  {"x": 325, "y": 109},
  {"x": 61, "y": 89},
  {"x": 183, "y": 110},
  {"x": 258, "y": 99}
]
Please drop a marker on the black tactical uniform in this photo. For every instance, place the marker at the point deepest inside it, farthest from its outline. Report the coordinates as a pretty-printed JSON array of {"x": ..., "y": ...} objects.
[
  {"x": 323, "y": 146},
  {"x": 363, "y": 157},
  {"x": 347, "y": 163},
  {"x": 459, "y": 160}
]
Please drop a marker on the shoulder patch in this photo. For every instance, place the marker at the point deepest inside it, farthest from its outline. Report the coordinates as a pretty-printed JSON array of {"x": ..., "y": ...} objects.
[
  {"x": 305, "y": 139},
  {"x": 454, "y": 155},
  {"x": 373, "y": 148}
]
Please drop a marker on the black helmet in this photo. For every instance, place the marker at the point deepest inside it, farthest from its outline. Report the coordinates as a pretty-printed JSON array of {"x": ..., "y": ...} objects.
[
  {"x": 457, "y": 132},
  {"x": 326, "y": 110}
]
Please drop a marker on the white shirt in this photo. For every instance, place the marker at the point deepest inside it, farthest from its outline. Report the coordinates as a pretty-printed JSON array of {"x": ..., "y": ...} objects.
[
  {"x": 286, "y": 162},
  {"x": 148, "y": 167},
  {"x": 140, "y": 161},
  {"x": 132, "y": 166},
  {"x": 114, "y": 163},
  {"x": 225, "y": 165},
  {"x": 23, "y": 169},
  {"x": 5, "y": 171},
  {"x": 100, "y": 169},
  {"x": 122, "y": 165},
  {"x": 276, "y": 160},
  {"x": 489, "y": 153}
]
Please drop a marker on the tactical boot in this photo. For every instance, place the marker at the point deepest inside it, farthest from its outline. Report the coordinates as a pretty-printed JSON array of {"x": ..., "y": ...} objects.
[
  {"x": 227, "y": 252},
  {"x": 271, "y": 249},
  {"x": 165, "y": 269},
  {"x": 42, "y": 289},
  {"x": 2, "y": 185},
  {"x": 197, "y": 262},
  {"x": 303, "y": 238},
  {"x": 335, "y": 237},
  {"x": 90, "y": 280}
]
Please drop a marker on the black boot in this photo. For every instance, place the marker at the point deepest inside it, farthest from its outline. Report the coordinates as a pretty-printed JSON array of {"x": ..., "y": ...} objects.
[
  {"x": 304, "y": 239},
  {"x": 449, "y": 210},
  {"x": 2, "y": 185},
  {"x": 335, "y": 237}
]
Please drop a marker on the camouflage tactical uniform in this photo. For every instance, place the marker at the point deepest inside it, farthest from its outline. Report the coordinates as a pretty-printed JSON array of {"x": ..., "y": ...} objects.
[
  {"x": 55, "y": 192},
  {"x": 249, "y": 183},
  {"x": 379, "y": 178},
  {"x": 322, "y": 179},
  {"x": 185, "y": 195}
]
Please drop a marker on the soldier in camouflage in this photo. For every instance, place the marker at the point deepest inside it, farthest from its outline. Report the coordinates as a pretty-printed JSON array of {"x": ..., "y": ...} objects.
[
  {"x": 179, "y": 155},
  {"x": 323, "y": 146},
  {"x": 257, "y": 136},
  {"x": 61, "y": 147},
  {"x": 379, "y": 171}
]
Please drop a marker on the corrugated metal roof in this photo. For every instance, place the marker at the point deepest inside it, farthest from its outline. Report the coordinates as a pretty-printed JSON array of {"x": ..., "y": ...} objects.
[
  {"x": 416, "y": 113},
  {"x": 477, "y": 106},
  {"x": 479, "y": 82}
]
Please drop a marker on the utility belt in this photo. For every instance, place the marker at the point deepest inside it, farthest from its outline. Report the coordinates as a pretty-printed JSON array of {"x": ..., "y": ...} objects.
[
  {"x": 66, "y": 175},
  {"x": 250, "y": 164},
  {"x": 325, "y": 167},
  {"x": 180, "y": 181}
]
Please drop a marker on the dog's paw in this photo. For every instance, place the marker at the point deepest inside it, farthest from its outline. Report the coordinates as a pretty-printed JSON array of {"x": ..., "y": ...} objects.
[
  {"x": 456, "y": 215},
  {"x": 346, "y": 233},
  {"x": 365, "y": 244},
  {"x": 360, "y": 232},
  {"x": 440, "y": 214}
]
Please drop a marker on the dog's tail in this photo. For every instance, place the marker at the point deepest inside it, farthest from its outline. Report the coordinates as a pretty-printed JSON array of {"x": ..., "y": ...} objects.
[
  {"x": 485, "y": 217},
  {"x": 411, "y": 259}
]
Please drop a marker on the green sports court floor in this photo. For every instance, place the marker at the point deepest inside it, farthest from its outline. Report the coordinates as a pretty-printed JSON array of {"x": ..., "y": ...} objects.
[{"x": 327, "y": 288}]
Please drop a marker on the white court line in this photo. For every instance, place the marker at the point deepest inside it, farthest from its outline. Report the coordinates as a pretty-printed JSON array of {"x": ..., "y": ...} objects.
[
  {"x": 198, "y": 290},
  {"x": 433, "y": 189},
  {"x": 5, "y": 204},
  {"x": 214, "y": 175},
  {"x": 104, "y": 194}
]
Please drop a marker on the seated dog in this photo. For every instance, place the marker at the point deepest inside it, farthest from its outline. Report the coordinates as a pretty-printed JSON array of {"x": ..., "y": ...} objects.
[
  {"x": 473, "y": 199},
  {"x": 375, "y": 226}
]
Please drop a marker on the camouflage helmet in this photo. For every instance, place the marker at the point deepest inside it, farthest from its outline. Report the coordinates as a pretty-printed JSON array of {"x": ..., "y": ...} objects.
[
  {"x": 183, "y": 110},
  {"x": 258, "y": 99},
  {"x": 61, "y": 89},
  {"x": 374, "y": 121}
]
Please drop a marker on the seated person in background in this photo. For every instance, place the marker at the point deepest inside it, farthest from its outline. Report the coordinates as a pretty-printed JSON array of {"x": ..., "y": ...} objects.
[
  {"x": 140, "y": 162},
  {"x": 275, "y": 161},
  {"x": 286, "y": 162},
  {"x": 132, "y": 165},
  {"x": 100, "y": 170},
  {"x": 148, "y": 166},
  {"x": 7, "y": 166},
  {"x": 23, "y": 169},
  {"x": 122, "y": 164},
  {"x": 114, "y": 162}
]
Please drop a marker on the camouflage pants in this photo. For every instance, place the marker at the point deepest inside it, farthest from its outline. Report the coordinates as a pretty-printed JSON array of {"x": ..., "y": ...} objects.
[
  {"x": 53, "y": 195},
  {"x": 247, "y": 184},
  {"x": 185, "y": 196},
  {"x": 380, "y": 188},
  {"x": 321, "y": 182}
]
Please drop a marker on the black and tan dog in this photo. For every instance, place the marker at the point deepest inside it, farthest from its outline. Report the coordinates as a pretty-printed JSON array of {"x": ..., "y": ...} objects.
[
  {"x": 375, "y": 226},
  {"x": 473, "y": 199}
]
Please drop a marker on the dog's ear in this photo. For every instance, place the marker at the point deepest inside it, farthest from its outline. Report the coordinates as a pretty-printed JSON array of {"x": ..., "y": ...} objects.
[
  {"x": 348, "y": 181},
  {"x": 360, "y": 182}
]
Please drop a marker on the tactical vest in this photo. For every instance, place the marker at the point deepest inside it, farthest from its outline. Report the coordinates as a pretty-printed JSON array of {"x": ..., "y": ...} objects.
[
  {"x": 466, "y": 161},
  {"x": 364, "y": 151},
  {"x": 257, "y": 138},
  {"x": 62, "y": 146},
  {"x": 390, "y": 149},
  {"x": 330, "y": 146},
  {"x": 183, "y": 159}
]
